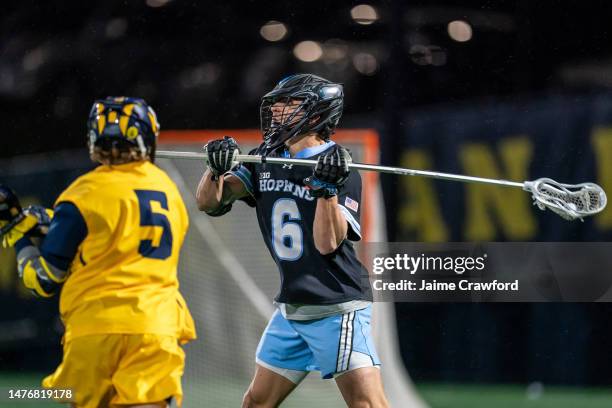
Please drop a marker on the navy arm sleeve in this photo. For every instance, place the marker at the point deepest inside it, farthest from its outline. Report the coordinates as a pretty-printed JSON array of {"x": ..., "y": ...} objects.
[{"x": 66, "y": 232}]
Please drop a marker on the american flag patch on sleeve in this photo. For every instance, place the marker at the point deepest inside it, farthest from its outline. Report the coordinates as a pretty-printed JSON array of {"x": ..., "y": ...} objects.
[{"x": 352, "y": 204}]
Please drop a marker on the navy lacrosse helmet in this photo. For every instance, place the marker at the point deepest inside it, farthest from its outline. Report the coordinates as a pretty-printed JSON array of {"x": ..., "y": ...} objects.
[
  {"x": 319, "y": 108},
  {"x": 123, "y": 121}
]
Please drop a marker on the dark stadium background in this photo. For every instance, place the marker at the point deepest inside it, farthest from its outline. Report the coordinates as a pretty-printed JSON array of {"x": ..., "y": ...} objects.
[{"x": 204, "y": 65}]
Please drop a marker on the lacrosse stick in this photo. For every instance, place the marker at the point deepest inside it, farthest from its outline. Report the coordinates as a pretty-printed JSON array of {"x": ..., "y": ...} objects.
[
  {"x": 7, "y": 227},
  {"x": 570, "y": 201}
]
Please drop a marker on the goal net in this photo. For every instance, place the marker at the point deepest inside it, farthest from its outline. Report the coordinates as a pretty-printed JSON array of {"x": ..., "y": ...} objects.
[{"x": 229, "y": 280}]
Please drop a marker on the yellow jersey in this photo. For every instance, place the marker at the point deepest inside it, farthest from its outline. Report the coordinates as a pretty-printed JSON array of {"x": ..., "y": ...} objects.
[{"x": 124, "y": 276}]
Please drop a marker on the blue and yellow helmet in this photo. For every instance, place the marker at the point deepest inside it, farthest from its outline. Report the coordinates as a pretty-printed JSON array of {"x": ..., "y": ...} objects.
[{"x": 120, "y": 121}]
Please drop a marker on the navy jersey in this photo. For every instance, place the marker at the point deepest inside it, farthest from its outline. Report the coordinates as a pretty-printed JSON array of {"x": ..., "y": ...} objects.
[{"x": 286, "y": 212}]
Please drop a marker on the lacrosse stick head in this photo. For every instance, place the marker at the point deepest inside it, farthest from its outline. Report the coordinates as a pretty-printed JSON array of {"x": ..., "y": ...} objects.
[{"x": 570, "y": 201}]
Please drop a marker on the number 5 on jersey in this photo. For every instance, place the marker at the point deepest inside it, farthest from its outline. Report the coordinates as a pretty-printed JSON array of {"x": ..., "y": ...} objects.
[{"x": 149, "y": 218}]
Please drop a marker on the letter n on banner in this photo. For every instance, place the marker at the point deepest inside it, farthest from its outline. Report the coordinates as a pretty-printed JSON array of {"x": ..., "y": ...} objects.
[
  {"x": 511, "y": 206},
  {"x": 602, "y": 145}
]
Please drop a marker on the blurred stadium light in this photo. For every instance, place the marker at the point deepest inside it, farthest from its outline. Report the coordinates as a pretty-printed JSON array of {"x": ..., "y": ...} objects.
[
  {"x": 364, "y": 14},
  {"x": 308, "y": 51},
  {"x": 460, "y": 31},
  {"x": 273, "y": 31}
]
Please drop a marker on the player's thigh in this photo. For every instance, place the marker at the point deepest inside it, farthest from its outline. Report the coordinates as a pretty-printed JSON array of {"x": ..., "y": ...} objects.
[
  {"x": 283, "y": 350},
  {"x": 268, "y": 389},
  {"x": 149, "y": 371},
  {"x": 87, "y": 367},
  {"x": 283, "y": 360},
  {"x": 362, "y": 387}
]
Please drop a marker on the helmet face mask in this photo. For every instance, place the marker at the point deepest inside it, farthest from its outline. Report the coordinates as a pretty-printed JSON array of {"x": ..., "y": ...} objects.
[
  {"x": 287, "y": 112},
  {"x": 300, "y": 104},
  {"x": 282, "y": 118},
  {"x": 122, "y": 125}
]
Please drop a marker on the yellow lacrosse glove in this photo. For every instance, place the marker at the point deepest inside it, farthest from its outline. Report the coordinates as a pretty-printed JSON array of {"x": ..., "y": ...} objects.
[{"x": 33, "y": 221}]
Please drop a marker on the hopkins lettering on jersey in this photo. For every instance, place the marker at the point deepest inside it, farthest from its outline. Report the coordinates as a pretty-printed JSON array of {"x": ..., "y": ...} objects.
[{"x": 286, "y": 186}]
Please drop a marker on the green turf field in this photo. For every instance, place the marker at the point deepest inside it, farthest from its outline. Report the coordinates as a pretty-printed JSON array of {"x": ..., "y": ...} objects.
[
  {"x": 513, "y": 396},
  {"x": 436, "y": 395}
]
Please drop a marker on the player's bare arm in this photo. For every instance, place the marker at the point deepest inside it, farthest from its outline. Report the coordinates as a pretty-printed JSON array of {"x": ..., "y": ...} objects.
[
  {"x": 330, "y": 227},
  {"x": 218, "y": 189},
  {"x": 213, "y": 194}
]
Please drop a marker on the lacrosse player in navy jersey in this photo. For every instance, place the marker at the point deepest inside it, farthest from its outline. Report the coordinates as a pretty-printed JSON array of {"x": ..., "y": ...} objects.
[{"x": 308, "y": 219}]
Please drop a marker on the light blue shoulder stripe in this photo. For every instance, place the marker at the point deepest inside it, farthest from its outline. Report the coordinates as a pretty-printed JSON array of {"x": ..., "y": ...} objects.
[
  {"x": 313, "y": 151},
  {"x": 351, "y": 220}
]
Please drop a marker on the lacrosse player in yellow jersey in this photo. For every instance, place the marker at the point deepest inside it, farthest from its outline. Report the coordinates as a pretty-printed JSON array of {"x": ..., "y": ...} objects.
[{"x": 112, "y": 250}]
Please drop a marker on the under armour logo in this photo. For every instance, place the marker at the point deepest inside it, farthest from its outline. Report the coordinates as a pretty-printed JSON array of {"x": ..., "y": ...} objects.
[{"x": 287, "y": 166}]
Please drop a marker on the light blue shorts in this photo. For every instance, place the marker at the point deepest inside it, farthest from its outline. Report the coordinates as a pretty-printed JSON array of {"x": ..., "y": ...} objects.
[{"x": 331, "y": 345}]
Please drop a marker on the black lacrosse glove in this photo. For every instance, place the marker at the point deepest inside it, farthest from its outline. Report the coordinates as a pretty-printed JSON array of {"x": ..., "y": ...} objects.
[
  {"x": 331, "y": 172},
  {"x": 221, "y": 155}
]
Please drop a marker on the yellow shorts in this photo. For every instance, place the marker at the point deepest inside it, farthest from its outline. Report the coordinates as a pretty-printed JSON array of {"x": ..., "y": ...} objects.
[{"x": 107, "y": 370}]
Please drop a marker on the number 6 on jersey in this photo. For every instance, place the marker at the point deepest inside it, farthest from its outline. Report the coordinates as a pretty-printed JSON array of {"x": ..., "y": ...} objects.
[{"x": 287, "y": 236}]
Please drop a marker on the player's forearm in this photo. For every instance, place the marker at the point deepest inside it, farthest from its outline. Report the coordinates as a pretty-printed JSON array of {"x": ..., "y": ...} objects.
[
  {"x": 37, "y": 273},
  {"x": 216, "y": 196},
  {"x": 329, "y": 227},
  {"x": 209, "y": 194},
  {"x": 44, "y": 270}
]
